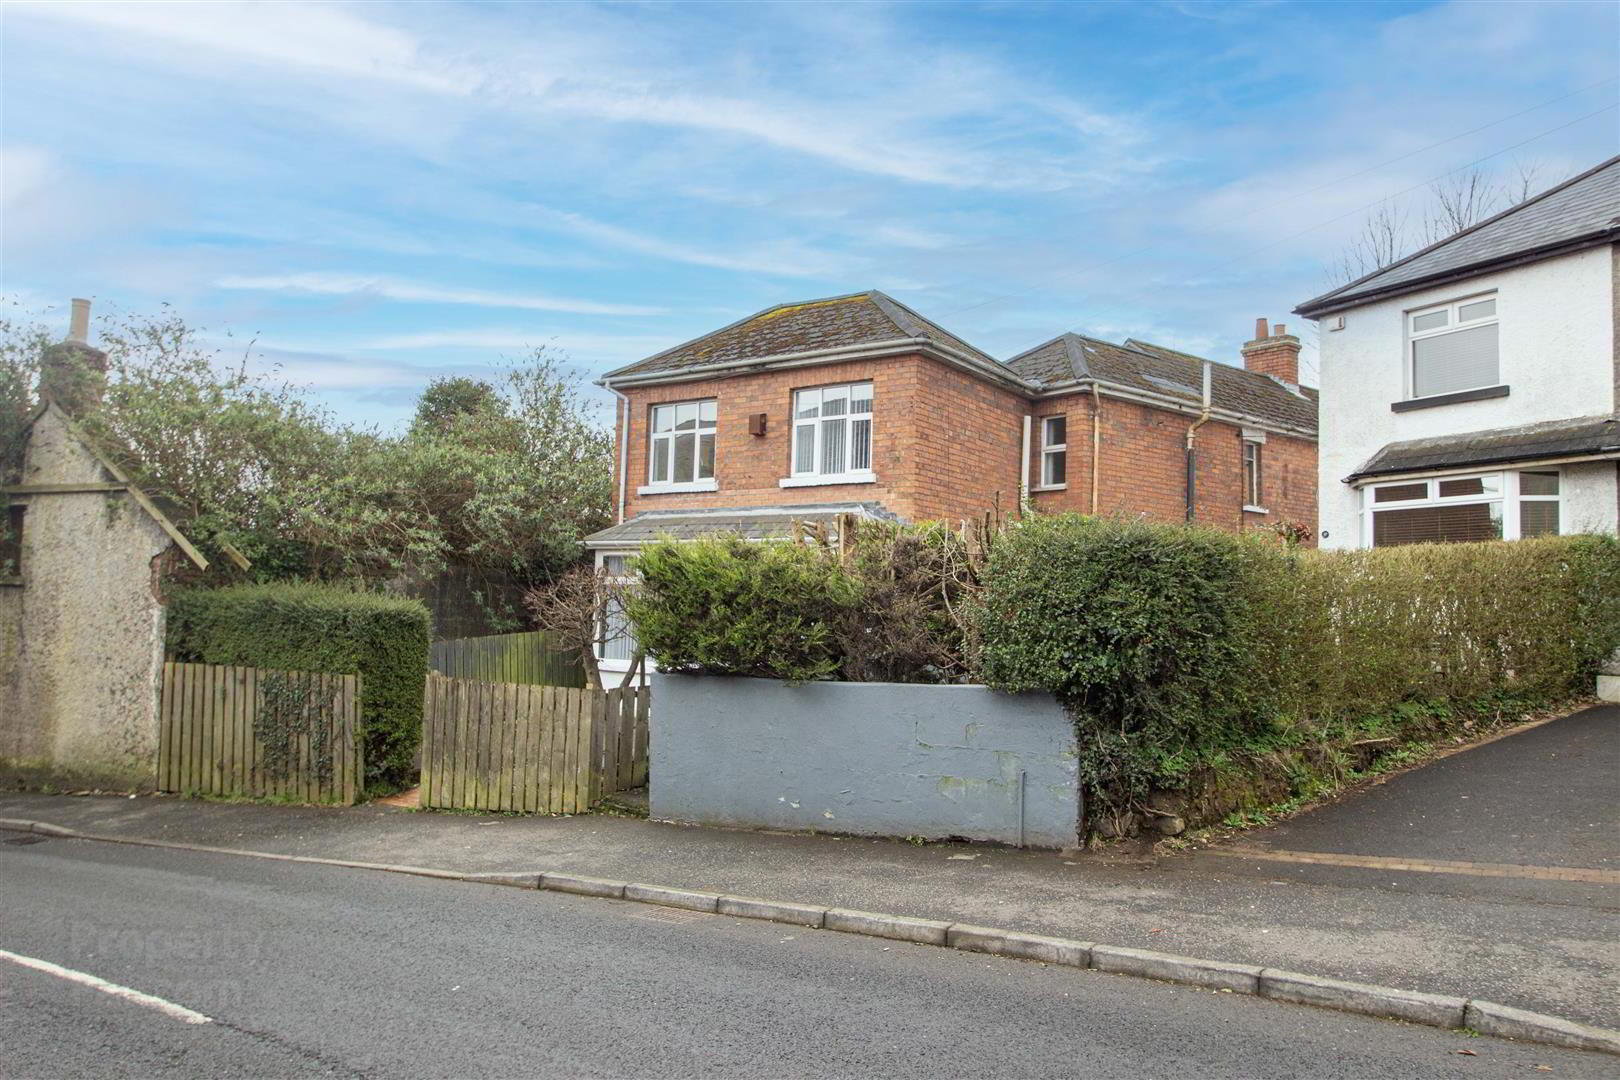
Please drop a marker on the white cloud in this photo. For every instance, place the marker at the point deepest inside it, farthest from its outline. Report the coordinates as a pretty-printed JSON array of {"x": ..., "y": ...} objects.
[
  {"x": 331, "y": 284},
  {"x": 899, "y": 121},
  {"x": 789, "y": 259}
]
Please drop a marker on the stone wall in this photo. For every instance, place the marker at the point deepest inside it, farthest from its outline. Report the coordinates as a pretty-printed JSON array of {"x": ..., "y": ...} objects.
[
  {"x": 878, "y": 759},
  {"x": 81, "y": 639}
]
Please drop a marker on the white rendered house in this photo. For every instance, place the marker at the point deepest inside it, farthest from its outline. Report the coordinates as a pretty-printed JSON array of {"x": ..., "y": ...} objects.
[{"x": 1470, "y": 391}]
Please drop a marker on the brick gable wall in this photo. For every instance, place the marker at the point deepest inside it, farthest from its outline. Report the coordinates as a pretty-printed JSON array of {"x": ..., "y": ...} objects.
[{"x": 945, "y": 445}]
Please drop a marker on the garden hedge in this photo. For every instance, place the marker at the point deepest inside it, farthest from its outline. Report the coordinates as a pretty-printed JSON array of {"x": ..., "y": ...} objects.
[
  {"x": 313, "y": 627},
  {"x": 1182, "y": 650},
  {"x": 1235, "y": 670}
]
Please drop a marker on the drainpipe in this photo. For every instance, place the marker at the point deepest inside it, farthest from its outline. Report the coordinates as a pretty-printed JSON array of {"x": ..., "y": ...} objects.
[
  {"x": 1096, "y": 442},
  {"x": 1192, "y": 446},
  {"x": 624, "y": 450},
  {"x": 1023, "y": 480}
]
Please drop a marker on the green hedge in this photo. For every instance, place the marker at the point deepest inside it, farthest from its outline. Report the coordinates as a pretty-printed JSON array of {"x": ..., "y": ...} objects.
[
  {"x": 310, "y": 627},
  {"x": 727, "y": 606},
  {"x": 1218, "y": 670},
  {"x": 1178, "y": 649}
]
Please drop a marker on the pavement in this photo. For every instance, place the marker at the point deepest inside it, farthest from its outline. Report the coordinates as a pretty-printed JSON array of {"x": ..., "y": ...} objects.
[
  {"x": 306, "y": 970},
  {"x": 1545, "y": 943}
]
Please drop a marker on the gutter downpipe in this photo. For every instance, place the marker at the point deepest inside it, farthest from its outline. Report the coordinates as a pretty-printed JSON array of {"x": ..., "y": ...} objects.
[
  {"x": 624, "y": 449},
  {"x": 1192, "y": 445},
  {"x": 1023, "y": 479},
  {"x": 1096, "y": 442}
]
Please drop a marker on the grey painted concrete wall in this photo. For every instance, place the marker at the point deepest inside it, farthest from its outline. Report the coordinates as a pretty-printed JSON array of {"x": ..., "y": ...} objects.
[
  {"x": 81, "y": 640},
  {"x": 880, "y": 759}
]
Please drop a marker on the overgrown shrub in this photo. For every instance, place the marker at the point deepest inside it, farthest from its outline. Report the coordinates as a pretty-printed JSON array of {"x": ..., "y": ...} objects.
[
  {"x": 306, "y": 627},
  {"x": 727, "y": 606},
  {"x": 908, "y": 621},
  {"x": 1145, "y": 632}
]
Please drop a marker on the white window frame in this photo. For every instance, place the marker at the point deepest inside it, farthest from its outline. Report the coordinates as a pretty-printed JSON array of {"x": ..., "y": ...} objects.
[
  {"x": 604, "y": 662},
  {"x": 1454, "y": 324},
  {"x": 1508, "y": 494},
  {"x": 1258, "y": 446},
  {"x": 656, "y": 485},
  {"x": 1051, "y": 450},
  {"x": 814, "y": 476}
]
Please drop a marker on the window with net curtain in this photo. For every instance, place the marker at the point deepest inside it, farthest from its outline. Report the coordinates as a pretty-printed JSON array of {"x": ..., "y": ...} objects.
[
  {"x": 614, "y": 639},
  {"x": 832, "y": 431}
]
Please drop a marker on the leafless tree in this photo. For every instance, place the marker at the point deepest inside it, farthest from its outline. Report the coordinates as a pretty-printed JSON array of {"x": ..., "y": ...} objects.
[
  {"x": 1460, "y": 201},
  {"x": 578, "y": 610},
  {"x": 1451, "y": 204},
  {"x": 1383, "y": 239}
]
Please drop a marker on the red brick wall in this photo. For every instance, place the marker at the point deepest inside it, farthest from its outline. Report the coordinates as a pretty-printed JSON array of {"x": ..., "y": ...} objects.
[
  {"x": 943, "y": 443},
  {"x": 1144, "y": 467},
  {"x": 946, "y": 446}
]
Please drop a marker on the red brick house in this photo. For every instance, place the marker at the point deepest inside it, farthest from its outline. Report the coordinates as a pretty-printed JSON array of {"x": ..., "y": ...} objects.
[{"x": 859, "y": 404}]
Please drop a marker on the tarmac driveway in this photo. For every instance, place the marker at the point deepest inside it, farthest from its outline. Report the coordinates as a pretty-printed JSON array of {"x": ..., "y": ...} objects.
[{"x": 1536, "y": 812}]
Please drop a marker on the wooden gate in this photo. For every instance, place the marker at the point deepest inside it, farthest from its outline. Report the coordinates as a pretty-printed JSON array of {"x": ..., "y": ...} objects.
[
  {"x": 242, "y": 731},
  {"x": 536, "y": 749}
]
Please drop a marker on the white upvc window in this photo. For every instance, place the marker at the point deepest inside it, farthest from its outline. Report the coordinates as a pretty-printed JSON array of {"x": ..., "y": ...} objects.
[
  {"x": 832, "y": 435},
  {"x": 1455, "y": 509},
  {"x": 1054, "y": 452},
  {"x": 1453, "y": 347},
  {"x": 680, "y": 447},
  {"x": 615, "y": 646}
]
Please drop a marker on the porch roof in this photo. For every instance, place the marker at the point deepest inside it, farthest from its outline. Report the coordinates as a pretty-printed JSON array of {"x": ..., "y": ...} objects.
[{"x": 748, "y": 522}]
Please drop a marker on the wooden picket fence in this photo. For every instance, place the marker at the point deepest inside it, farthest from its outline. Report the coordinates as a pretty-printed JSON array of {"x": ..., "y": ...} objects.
[
  {"x": 537, "y": 749},
  {"x": 242, "y": 731}
]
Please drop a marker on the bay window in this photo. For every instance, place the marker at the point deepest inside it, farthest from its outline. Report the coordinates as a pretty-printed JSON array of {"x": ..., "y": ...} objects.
[
  {"x": 680, "y": 451},
  {"x": 1453, "y": 347},
  {"x": 1458, "y": 509},
  {"x": 832, "y": 435}
]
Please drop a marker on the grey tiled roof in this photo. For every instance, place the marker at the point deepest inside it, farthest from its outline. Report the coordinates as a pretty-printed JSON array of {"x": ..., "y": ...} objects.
[
  {"x": 748, "y": 522},
  {"x": 835, "y": 322},
  {"x": 1526, "y": 442},
  {"x": 1138, "y": 365},
  {"x": 1584, "y": 207}
]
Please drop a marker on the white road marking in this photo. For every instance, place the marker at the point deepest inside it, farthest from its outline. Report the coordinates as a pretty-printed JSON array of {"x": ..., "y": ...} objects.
[{"x": 167, "y": 1008}]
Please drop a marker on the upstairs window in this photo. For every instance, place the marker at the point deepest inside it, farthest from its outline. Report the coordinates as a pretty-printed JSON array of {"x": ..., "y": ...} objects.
[
  {"x": 832, "y": 433},
  {"x": 1054, "y": 452},
  {"x": 1454, "y": 347},
  {"x": 681, "y": 451}
]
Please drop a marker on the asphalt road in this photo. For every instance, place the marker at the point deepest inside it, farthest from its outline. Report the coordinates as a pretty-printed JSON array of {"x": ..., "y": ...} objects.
[{"x": 317, "y": 971}]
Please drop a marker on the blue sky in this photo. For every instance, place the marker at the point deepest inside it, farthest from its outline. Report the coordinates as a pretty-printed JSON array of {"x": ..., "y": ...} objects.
[{"x": 382, "y": 193}]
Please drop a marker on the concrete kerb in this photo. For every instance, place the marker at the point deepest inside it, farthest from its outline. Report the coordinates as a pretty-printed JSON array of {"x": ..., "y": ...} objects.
[{"x": 1435, "y": 1010}]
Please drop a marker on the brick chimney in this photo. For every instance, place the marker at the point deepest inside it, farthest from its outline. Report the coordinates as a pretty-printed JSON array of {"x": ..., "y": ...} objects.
[
  {"x": 73, "y": 373},
  {"x": 1273, "y": 352}
]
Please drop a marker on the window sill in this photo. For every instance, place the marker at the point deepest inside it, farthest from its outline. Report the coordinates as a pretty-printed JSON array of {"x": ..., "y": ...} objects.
[
  {"x": 827, "y": 481},
  {"x": 11, "y": 581},
  {"x": 674, "y": 489},
  {"x": 1049, "y": 487},
  {"x": 1255, "y": 510},
  {"x": 1457, "y": 398}
]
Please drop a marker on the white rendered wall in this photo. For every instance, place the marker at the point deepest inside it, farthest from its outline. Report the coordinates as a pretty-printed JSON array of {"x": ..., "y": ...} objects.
[{"x": 1557, "y": 355}]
